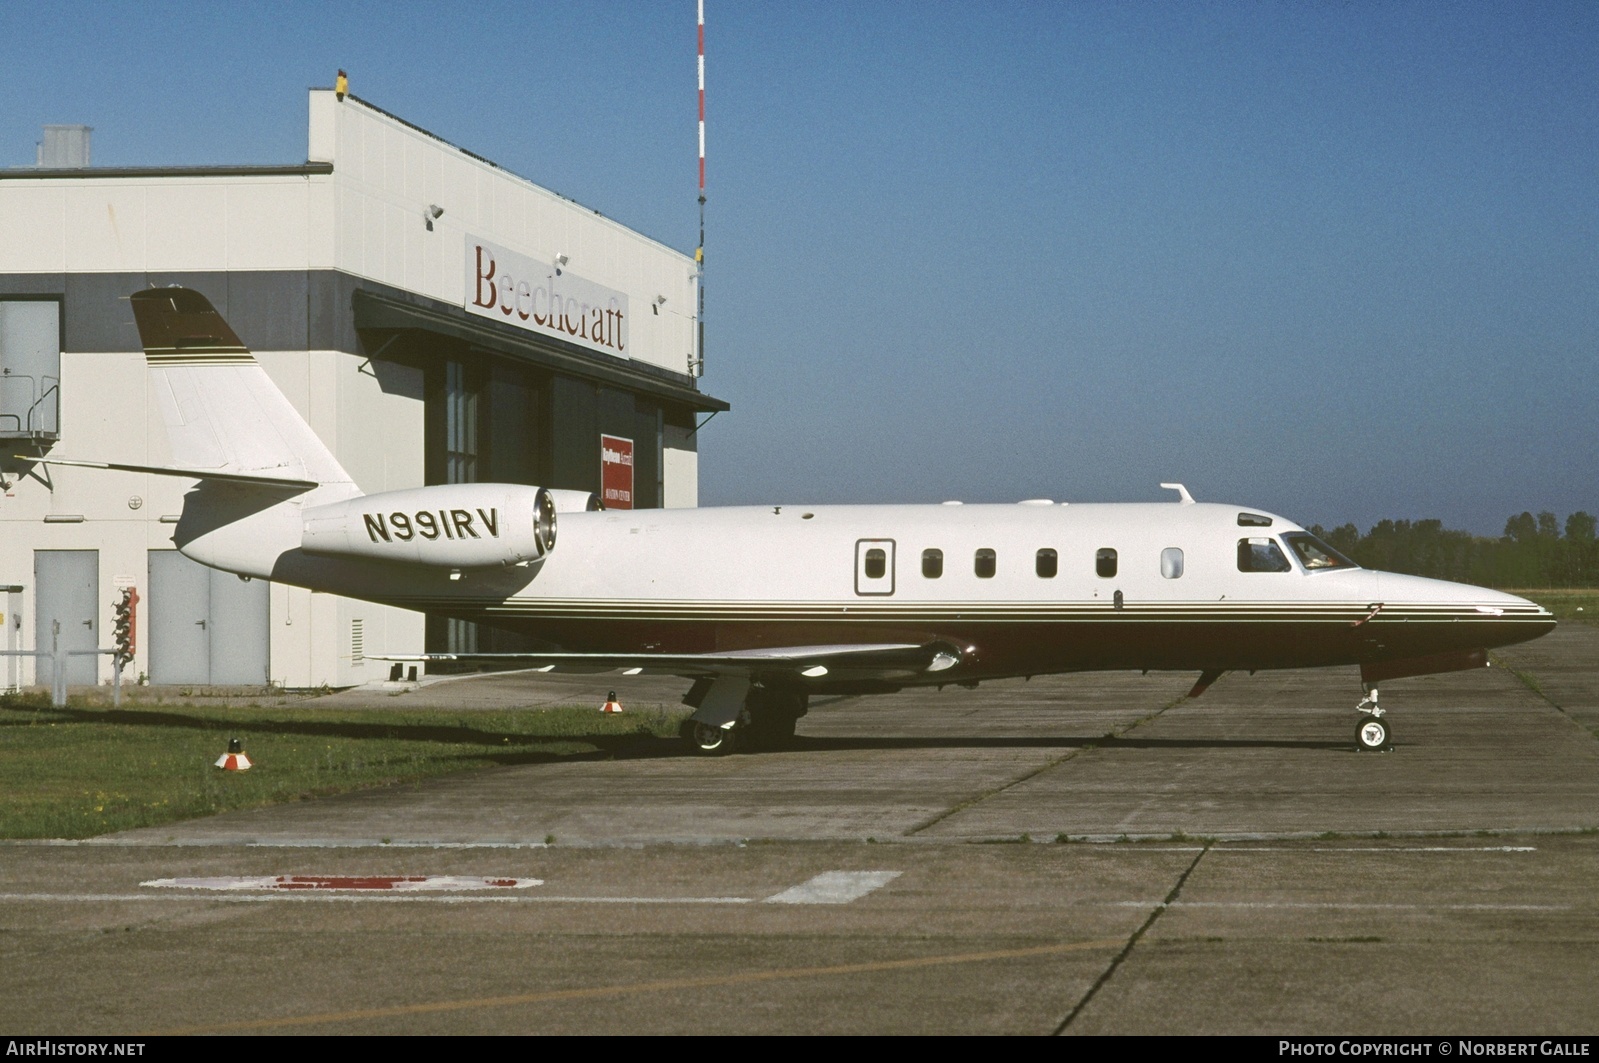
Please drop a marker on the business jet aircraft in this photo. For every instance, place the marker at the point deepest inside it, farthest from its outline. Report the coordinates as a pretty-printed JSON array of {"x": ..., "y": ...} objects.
[{"x": 764, "y": 606}]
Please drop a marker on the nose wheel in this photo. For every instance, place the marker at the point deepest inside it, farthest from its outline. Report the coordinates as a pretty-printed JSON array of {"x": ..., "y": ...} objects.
[{"x": 1373, "y": 734}]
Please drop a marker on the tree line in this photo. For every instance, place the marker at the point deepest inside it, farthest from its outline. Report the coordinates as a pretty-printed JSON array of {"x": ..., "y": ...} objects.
[{"x": 1533, "y": 552}]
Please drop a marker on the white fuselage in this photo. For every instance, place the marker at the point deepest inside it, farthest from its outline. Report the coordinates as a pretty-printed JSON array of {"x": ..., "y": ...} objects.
[{"x": 736, "y": 578}]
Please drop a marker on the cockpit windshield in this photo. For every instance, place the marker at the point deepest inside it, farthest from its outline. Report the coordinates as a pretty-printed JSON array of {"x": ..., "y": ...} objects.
[{"x": 1314, "y": 554}]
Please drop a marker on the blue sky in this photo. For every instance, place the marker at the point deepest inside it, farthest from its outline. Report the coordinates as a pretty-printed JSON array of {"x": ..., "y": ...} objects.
[{"x": 1338, "y": 260}]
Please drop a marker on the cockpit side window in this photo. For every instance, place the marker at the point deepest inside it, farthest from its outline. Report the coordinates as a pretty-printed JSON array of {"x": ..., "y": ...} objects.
[
  {"x": 1171, "y": 562},
  {"x": 1314, "y": 554},
  {"x": 1261, "y": 555}
]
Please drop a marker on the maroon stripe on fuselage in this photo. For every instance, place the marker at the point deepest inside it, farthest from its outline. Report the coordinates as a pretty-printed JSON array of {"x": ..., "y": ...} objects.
[{"x": 1023, "y": 647}]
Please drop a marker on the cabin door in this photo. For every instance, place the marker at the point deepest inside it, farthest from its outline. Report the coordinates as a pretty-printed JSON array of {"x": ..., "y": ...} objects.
[{"x": 874, "y": 566}]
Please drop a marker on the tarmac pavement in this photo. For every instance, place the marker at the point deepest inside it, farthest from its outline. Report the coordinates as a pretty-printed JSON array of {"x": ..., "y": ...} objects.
[{"x": 1078, "y": 854}]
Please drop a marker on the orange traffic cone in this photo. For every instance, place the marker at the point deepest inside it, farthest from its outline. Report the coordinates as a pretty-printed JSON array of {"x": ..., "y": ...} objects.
[
  {"x": 234, "y": 759},
  {"x": 611, "y": 704}
]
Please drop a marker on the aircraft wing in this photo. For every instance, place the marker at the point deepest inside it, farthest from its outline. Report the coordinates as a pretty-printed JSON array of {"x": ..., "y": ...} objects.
[
  {"x": 812, "y": 662},
  {"x": 259, "y": 478}
]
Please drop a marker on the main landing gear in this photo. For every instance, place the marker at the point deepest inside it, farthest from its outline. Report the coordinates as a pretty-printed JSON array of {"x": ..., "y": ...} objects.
[
  {"x": 766, "y": 722},
  {"x": 1373, "y": 734}
]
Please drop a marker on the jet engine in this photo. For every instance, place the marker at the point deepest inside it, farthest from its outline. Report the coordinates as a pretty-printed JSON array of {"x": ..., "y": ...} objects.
[
  {"x": 448, "y": 526},
  {"x": 575, "y": 501}
]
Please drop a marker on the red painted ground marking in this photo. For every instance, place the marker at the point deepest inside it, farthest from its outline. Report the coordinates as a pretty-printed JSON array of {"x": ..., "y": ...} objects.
[{"x": 336, "y": 882}]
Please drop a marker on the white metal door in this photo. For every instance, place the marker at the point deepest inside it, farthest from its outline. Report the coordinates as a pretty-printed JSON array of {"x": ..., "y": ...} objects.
[
  {"x": 12, "y": 622},
  {"x": 205, "y": 626},
  {"x": 67, "y": 591}
]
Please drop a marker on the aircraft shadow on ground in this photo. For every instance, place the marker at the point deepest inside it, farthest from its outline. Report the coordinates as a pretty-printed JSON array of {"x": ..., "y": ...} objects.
[
  {"x": 510, "y": 747},
  {"x": 504, "y": 743},
  {"x": 809, "y": 745}
]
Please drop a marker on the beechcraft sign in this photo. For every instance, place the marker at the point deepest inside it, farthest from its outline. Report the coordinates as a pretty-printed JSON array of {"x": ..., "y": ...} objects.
[{"x": 545, "y": 298}]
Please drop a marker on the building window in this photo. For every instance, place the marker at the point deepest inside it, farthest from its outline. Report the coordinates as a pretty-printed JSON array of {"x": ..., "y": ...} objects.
[
  {"x": 1105, "y": 562},
  {"x": 983, "y": 563},
  {"x": 932, "y": 563},
  {"x": 1171, "y": 562},
  {"x": 460, "y": 426},
  {"x": 1046, "y": 564}
]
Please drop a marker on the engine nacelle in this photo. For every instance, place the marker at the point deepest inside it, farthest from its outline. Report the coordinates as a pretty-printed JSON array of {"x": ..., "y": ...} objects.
[
  {"x": 447, "y": 526},
  {"x": 575, "y": 501}
]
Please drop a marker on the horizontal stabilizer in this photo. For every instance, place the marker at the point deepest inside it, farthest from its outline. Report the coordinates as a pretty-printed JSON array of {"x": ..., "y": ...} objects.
[
  {"x": 225, "y": 417},
  {"x": 255, "y": 478}
]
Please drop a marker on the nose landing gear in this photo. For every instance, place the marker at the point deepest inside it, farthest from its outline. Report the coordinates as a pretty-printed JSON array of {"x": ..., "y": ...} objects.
[{"x": 1373, "y": 734}]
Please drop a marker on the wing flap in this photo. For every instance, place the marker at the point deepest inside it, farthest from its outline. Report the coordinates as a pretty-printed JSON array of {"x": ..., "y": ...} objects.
[{"x": 812, "y": 662}]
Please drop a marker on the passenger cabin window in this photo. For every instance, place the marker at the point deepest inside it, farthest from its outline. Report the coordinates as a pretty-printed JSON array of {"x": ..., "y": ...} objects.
[
  {"x": 1314, "y": 554},
  {"x": 1253, "y": 520},
  {"x": 1171, "y": 562},
  {"x": 1105, "y": 562},
  {"x": 876, "y": 563},
  {"x": 932, "y": 563},
  {"x": 1047, "y": 563},
  {"x": 1261, "y": 555},
  {"x": 983, "y": 564}
]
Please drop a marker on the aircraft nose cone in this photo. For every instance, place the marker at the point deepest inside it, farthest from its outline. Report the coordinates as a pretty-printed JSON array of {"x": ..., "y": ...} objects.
[{"x": 1478, "y": 615}]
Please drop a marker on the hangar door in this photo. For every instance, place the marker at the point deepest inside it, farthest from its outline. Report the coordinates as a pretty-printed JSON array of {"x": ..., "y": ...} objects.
[{"x": 205, "y": 627}]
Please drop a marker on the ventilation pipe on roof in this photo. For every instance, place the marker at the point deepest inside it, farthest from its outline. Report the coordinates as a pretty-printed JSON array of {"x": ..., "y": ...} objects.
[{"x": 64, "y": 147}]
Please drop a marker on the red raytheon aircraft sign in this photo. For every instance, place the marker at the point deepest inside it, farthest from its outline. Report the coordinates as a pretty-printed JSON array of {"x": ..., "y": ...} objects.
[{"x": 616, "y": 472}]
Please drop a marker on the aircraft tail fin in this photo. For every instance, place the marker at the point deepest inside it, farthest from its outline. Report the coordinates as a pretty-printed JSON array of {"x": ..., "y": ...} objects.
[{"x": 225, "y": 417}]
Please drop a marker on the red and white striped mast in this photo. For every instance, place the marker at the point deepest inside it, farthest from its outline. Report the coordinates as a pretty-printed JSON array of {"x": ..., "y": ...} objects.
[{"x": 699, "y": 252}]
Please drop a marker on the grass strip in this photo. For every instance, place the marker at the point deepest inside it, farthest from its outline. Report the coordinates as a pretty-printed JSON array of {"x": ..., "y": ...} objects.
[
  {"x": 1567, "y": 603},
  {"x": 80, "y": 771}
]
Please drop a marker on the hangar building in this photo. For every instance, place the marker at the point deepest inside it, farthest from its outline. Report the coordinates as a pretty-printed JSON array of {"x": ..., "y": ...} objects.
[{"x": 401, "y": 291}]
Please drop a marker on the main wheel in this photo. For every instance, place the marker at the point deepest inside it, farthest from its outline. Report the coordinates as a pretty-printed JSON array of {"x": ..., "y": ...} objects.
[
  {"x": 1373, "y": 734},
  {"x": 709, "y": 741}
]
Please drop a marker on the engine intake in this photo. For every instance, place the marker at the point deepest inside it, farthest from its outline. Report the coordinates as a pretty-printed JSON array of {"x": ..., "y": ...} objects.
[{"x": 448, "y": 526}]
